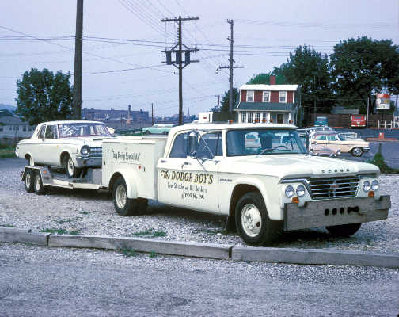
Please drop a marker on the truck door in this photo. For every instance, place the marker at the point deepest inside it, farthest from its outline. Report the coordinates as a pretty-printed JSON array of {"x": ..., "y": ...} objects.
[{"x": 188, "y": 175}]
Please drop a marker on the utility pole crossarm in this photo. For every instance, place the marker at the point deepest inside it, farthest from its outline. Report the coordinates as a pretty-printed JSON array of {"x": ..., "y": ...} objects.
[{"x": 179, "y": 50}]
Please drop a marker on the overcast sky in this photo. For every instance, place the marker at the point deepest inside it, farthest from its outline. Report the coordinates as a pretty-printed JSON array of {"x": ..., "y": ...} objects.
[{"x": 118, "y": 71}]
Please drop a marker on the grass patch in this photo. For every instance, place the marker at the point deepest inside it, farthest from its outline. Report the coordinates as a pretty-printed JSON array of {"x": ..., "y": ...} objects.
[
  {"x": 153, "y": 255},
  {"x": 6, "y": 225},
  {"x": 128, "y": 252},
  {"x": 379, "y": 161},
  {"x": 7, "y": 152},
  {"x": 60, "y": 231},
  {"x": 150, "y": 233}
]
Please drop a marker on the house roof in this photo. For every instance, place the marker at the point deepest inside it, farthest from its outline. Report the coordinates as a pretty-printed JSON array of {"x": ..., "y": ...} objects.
[
  {"x": 6, "y": 120},
  {"x": 270, "y": 87},
  {"x": 265, "y": 106}
]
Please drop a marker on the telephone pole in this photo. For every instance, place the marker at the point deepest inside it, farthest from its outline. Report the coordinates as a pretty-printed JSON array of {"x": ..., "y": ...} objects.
[
  {"x": 231, "y": 65},
  {"x": 178, "y": 62},
  {"x": 77, "y": 73}
]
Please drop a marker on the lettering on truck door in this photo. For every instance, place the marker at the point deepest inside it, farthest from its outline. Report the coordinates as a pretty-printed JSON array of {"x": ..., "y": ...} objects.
[{"x": 188, "y": 175}]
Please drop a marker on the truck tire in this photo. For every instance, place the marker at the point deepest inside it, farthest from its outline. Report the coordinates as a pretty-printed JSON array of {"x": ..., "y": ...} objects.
[
  {"x": 38, "y": 185},
  {"x": 252, "y": 221},
  {"x": 357, "y": 151},
  {"x": 344, "y": 230},
  {"x": 71, "y": 170},
  {"x": 124, "y": 206},
  {"x": 29, "y": 181}
]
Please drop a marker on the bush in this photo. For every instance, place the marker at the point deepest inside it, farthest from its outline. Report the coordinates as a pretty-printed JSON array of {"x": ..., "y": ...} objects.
[{"x": 379, "y": 161}]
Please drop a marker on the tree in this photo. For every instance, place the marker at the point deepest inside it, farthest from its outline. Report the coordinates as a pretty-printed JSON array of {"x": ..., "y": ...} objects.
[
  {"x": 364, "y": 67},
  {"x": 265, "y": 79},
  {"x": 310, "y": 70},
  {"x": 44, "y": 96},
  {"x": 226, "y": 100}
]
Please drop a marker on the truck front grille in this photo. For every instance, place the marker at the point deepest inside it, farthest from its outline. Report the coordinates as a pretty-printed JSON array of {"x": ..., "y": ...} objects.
[
  {"x": 95, "y": 152},
  {"x": 337, "y": 187}
]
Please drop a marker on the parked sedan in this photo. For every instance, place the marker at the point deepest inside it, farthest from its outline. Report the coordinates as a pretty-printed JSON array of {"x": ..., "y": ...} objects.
[
  {"x": 73, "y": 145},
  {"x": 158, "y": 128},
  {"x": 334, "y": 141}
]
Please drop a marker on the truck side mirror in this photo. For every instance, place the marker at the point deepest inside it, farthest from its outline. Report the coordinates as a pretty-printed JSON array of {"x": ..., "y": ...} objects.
[{"x": 192, "y": 144}]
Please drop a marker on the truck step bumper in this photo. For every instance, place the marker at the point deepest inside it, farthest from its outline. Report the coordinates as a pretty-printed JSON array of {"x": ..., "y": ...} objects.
[{"x": 324, "y": 213}]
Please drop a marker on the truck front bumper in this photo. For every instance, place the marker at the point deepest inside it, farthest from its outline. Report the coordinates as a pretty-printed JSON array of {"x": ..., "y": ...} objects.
[
  {"x": 88, "y": 161},
  {"x": 334, "y": 212}
]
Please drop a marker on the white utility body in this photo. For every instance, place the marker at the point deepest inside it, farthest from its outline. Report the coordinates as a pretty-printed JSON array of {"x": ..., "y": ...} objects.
[{"x": 258, "y": 175}]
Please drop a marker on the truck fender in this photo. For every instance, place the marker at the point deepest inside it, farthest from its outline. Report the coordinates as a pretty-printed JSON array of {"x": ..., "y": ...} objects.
[
  {"x": 130, "y": 178},
  {"x": 274, "y": 213}
]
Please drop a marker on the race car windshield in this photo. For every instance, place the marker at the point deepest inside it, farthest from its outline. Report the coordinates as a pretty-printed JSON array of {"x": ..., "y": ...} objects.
[
  {"x": 263, "y": 142},
  {"x": 72, "y": 130}
]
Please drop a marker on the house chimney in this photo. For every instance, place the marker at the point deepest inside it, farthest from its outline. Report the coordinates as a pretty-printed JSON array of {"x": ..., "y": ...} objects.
[
  {"x": 272, "y": 80},
  {"x": 129, "y": 114}
]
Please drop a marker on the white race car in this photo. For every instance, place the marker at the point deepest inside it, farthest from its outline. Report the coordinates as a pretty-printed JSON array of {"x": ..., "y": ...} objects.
[{"x": 70, "y": 144}]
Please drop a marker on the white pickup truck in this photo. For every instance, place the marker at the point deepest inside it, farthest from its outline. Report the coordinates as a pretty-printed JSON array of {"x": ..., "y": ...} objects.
[{"x": 260, "y": 176}]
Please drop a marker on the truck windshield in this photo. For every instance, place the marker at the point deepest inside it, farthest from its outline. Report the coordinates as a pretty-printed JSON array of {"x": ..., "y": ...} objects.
[
  {"x": 71, "y": 130},
  {"x": 263, "y": 142}
]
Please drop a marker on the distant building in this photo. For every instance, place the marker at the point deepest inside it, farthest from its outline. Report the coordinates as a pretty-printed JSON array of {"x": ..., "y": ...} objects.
[
  {"x": 12, "y": 127},
  {"x": 268, "y": 103}
]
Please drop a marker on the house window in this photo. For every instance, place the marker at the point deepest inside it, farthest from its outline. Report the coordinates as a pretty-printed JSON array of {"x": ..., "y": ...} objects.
[
  {"x": 250, "y": 117},
  {"x": 257, "y": 117},
  {"x": 250, "y": 95},
  {"x": 264, "y": 116},
  {"x": 283, "y": 96},
  {"x": 266, "y": 96},
  {"x": 243, "y": 117}
]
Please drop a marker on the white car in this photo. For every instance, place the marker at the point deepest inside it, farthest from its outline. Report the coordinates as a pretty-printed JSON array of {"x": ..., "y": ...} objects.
[{"x": 70, "y": 144}]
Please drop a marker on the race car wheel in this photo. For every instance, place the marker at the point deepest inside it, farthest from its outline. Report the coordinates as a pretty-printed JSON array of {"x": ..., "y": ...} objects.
[
  {"x": 29, "y": 179},
  {"x": 125, "y": 206},
  {"x": 344, "y": 230},
  {"x": 252, "y": 220},
  {"x": 357, "y": 151},
  {"x": 71, "y": 170}
]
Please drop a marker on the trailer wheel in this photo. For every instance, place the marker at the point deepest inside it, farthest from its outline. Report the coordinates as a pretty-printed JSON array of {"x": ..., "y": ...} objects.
[
  {"x": 29, "y": 179},
  {"x": 124, "y": 206},
  {"x": 252, "y": 220},
  {"x": 38, "y": 185},
  {"x": 344, "y": 230}
]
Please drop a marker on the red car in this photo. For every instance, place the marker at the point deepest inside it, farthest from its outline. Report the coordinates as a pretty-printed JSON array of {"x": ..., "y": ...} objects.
[{"x": 358, "y": 121}]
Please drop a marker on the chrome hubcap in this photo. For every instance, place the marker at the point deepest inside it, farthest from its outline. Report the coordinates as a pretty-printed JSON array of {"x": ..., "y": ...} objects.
[
  {"x": 70, "y": 167},
  {"x": 28, "y": 180},
  {"x": 251, "y": 220},
  {"x": 37, "y": 183},
  {"x": 120, "y": 196},
  {"x": 357, "y": 151}
]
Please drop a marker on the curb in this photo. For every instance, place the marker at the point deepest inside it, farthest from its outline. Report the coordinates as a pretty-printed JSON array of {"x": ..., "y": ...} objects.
[
  {"x": 205, "y": 250},
  {"x": 314, "y": 256}
]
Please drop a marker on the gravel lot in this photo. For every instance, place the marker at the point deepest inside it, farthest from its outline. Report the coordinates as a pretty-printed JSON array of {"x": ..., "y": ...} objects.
[{"x": 92, "y": 213}]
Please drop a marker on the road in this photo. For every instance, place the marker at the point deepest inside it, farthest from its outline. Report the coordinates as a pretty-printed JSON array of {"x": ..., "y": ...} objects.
[{"x": 36, "y": 281}]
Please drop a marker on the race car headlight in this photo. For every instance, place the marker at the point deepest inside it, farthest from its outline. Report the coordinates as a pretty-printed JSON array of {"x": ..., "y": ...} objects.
[
  {"x": 289, "y": 191},
  {"x": 300, "y": 190},
  {"x": 366, "y": 186},
  {"x": 85, "y": 150},
  {"x": 375, "y": 185}
]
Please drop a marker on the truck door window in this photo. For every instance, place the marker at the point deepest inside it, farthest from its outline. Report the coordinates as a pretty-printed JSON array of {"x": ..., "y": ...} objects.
[
  {"x": 210, "y": 142},
  {"x": 180, "y": 146}
]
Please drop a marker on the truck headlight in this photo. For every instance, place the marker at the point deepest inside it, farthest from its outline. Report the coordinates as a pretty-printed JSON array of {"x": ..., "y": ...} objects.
[
  {"x": 85, "y": 150},
  {"x": 375, "y": 185},
  {"x": 289, "y": 191},
  {"x": 366, "y": 186},
  {"x": 300, "y": 190}
]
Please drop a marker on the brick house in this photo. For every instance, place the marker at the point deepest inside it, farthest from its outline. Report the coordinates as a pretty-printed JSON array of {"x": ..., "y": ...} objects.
[{"x": 268, "y": 103}]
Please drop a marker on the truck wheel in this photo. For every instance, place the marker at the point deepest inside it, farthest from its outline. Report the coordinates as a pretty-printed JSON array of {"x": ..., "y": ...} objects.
[
  {"x": 344, "y": 230},
  {"x": 71, "y": 170},
  {"x": 29, "y": 179},
  {"x": 252, "y": 221},
  {"x": 124, "y": 206},
  {"x": 38, "y": 185},
  {"x": 357, "y": 151}
]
